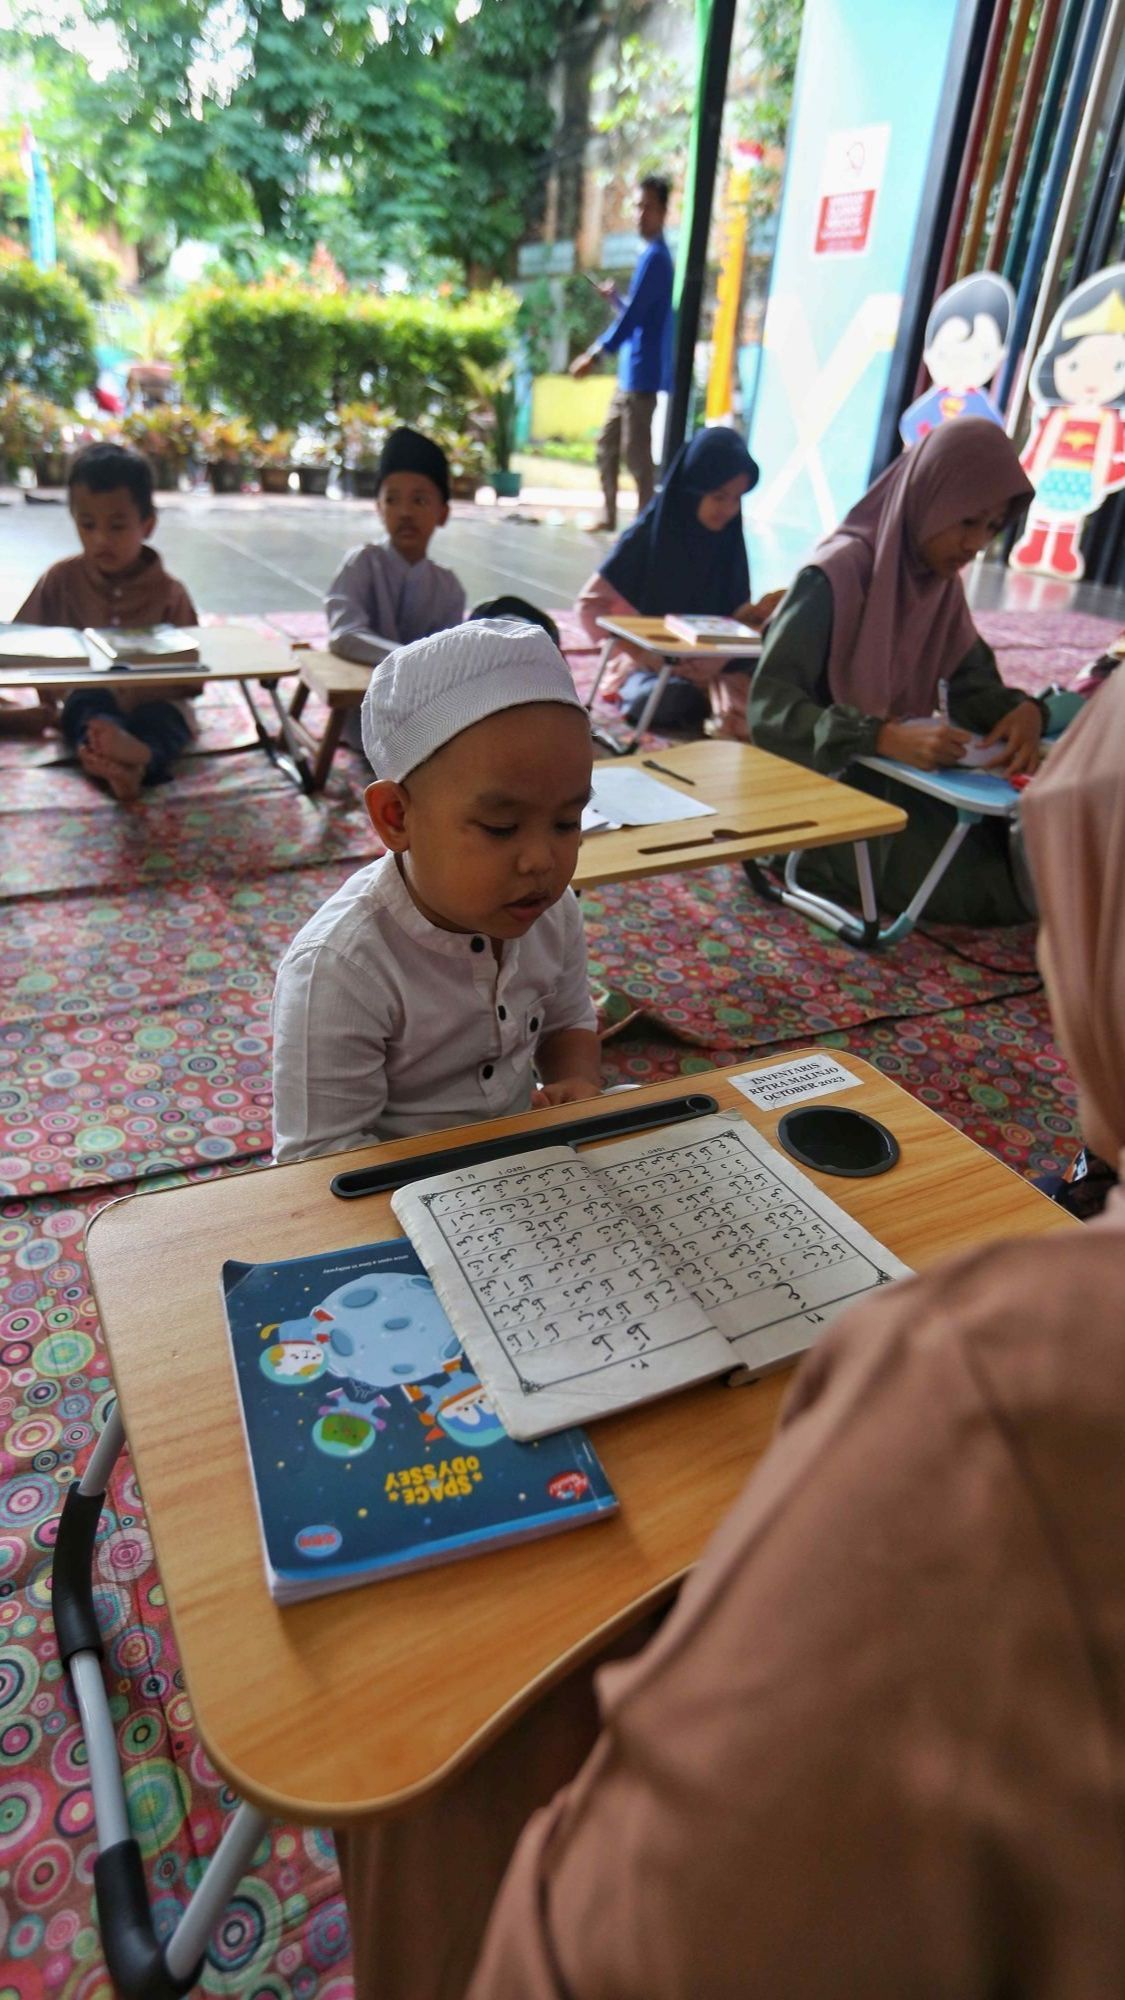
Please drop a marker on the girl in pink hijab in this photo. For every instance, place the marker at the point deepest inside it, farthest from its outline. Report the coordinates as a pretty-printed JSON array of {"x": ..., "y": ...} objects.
[
  {"x": 878, "y": 1747},
  {"x": 874, "y": 651}
]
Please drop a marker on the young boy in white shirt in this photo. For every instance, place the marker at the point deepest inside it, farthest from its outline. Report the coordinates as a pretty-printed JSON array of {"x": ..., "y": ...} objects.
[{"x": 423, "y": 993}]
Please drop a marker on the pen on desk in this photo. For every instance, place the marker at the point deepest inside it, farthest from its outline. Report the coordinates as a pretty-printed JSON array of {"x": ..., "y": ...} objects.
[
  {"x": 651, "y": 764},
  {"x": 943, "y": 700}
]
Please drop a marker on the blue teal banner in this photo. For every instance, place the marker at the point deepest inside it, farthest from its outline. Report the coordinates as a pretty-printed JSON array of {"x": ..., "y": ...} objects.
[
  {"x": 865, "y": 103},
  {"x": 40, "y": 202}
]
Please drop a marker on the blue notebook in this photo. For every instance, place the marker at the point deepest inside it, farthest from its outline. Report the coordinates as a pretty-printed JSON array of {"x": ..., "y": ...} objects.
[{"x": 373, "y": 1446}]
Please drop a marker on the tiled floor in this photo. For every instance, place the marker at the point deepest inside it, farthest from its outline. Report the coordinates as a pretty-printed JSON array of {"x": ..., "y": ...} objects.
[{"x": 253, "y": 554}]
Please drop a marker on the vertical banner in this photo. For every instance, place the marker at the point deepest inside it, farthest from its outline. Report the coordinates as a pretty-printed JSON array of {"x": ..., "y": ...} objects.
[
  {"x": 865, "y": 104},
  {"x": 40, "y": 202},
  {"x": 732, "y": 259}
]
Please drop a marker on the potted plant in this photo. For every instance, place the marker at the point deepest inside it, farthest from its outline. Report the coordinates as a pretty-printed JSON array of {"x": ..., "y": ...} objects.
[
  {"x": 468, "y": 457},
  {"x": 363, "y": 430},
  {"x": 314, "y": 457},
  {"x": 168, "y": 438},
  {"x": 229, "y": 444},
  {"x": 51, "y": 452},
  {"x": 273, "y": 462},
  {"x": 494, "y": 388},
  {"x": 20, "y": 429}
]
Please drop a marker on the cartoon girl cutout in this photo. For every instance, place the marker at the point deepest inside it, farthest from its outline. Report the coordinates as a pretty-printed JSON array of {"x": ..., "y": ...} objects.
[{"x": 1076, "y": 452}]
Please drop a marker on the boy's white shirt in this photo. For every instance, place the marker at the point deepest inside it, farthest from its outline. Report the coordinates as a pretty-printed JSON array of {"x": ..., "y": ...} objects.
[
  {"x": 377, "y": 601},
  {"x": 384, "y": 1025}
]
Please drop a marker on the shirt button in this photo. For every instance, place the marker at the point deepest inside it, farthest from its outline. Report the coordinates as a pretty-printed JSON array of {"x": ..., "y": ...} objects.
[
  {"x": 478, "y": 944},
  {"x": 487, "y": 1071},
  {"x": 502, "y": 1013}
]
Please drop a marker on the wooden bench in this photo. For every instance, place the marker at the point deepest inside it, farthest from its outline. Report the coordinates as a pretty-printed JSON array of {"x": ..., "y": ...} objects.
[{"x": 341, "y": 685}]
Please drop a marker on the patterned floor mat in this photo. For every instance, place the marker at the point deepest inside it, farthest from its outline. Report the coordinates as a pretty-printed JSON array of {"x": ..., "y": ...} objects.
[
  {"x": 722, "y": 967},
  {"x": 993, "y": 1070},
  {"x": 136, "y": 1034},
  {"x": 284, "y": 1936},
  {"x": 138, "y": 964},
  {"x": 223, "y": 816}
]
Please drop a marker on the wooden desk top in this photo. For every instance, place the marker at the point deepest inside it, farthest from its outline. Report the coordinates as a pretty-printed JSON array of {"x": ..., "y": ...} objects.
[
  {"x": 328, "y": 1710},
  {"x": 653, "y": 634},
  {"x": 766, "y": 805},
  {"x": 226, "y": 653}
]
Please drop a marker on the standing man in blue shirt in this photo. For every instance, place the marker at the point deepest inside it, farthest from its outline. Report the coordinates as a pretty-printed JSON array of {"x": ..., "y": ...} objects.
[{"x": 641, "y": 337}]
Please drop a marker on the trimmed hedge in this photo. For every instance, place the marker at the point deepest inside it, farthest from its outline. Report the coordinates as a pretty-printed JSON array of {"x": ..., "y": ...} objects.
[
  {"x": 283, "y": 355},
  {"x": 46, "y": 331}
]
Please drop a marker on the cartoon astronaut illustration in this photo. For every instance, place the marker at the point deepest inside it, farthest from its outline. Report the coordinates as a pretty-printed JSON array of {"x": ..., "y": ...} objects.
[
  {"x": 374, "y": 1334},
  {"x": 1076, "y": 452},
  {"x": 966, "y": 340}
]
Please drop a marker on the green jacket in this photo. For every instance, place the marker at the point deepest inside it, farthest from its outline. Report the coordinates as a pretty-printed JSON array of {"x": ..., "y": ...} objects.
[{"x": 792, "y": 712}]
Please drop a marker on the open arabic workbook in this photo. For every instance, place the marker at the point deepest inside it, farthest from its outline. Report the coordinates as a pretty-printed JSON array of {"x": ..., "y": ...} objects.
[{"x": 582, "y": 1285}]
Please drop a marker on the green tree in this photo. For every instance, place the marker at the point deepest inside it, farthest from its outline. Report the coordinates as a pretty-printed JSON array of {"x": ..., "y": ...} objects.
[
  {"x": 269, "y": 122},
  {"x": 46, "y": 331},
  {"x": 650, "y": 91},
  {"x": 771, "y": 32}
]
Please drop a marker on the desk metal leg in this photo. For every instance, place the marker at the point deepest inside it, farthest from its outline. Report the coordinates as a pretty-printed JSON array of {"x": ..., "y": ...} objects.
[
  {"x": 607, "y": 651},
  {"x": 625, "y": 749},
  {"x": 904, "y": 924},
  {"x": 866, "y": 931},
  {"x": 286, "y": 753},
  {"x": 652, "y": 703},
  {"x": 140, "y": 1967}
]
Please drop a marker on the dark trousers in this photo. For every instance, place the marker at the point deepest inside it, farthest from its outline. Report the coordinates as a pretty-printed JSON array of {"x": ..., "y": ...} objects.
[
  {"x": 157, "y": 723},
  {"x": 627, "y": 434}
]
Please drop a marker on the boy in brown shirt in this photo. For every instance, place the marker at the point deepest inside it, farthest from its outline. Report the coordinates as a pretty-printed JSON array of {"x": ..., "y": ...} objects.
[{"x": 122, "y": 735}]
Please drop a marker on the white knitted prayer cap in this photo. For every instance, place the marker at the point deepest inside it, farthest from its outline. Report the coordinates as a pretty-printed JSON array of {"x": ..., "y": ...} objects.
[{"x": 423, "y": 694}]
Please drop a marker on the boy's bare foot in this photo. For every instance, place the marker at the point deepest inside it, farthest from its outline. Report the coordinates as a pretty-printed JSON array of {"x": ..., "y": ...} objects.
[
  {"x": 125, "y": 781},
  {"x": 602, "y": 527},
  {"x": 110, "y": 740}
]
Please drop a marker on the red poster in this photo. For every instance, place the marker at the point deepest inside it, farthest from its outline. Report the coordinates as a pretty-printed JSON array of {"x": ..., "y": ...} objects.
[
  {"x": 844, "y": 221},
  {"x": 850, "y": 179}
]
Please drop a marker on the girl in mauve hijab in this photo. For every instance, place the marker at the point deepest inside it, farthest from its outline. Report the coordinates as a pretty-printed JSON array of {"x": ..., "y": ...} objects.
[
  {"x": 878, "y": 1746},
  {"x": 874, "y": 652}
]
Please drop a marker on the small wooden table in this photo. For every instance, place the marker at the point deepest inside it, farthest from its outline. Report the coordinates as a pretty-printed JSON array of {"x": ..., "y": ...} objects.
[
  {"x": 371, "y": 1665},
  {"x": 341, "y": 685},
  {"x": 764, "y": 805},
  {"x": 226, "y": 653},
  {"x": 653, "y": 635},
  {"x": 351, "y": 1705}
]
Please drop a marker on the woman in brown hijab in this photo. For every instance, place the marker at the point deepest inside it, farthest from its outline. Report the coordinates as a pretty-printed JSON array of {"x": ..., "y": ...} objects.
[
  {"x": 878, "y": 1748},
  {"x": 874, "y": 652}
]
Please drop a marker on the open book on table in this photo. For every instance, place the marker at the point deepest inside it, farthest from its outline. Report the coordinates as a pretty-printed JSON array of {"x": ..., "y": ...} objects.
[
  {"x": 42, "y": 646},
  {"x": 581, "y": 1286},
  {"x": 142, "y": 646}
]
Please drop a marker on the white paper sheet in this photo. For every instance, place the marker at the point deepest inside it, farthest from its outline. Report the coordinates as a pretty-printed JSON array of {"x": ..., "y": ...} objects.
[{"x": 631, "y": 798}]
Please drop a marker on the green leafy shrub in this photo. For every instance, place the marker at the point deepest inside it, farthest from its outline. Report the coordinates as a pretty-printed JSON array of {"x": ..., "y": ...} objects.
[
  {"x": 284, "y": 354},
  {"x": 363, "y": 430},
  {"x": 21, "y": 426},
  {"x": 46, "y": 331},
  {"x": 229, "y": 440},
  {"x": 495, "y": 394},
  {"x": 164, "y": 433},
  {"x": 264, "y": 351}
]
